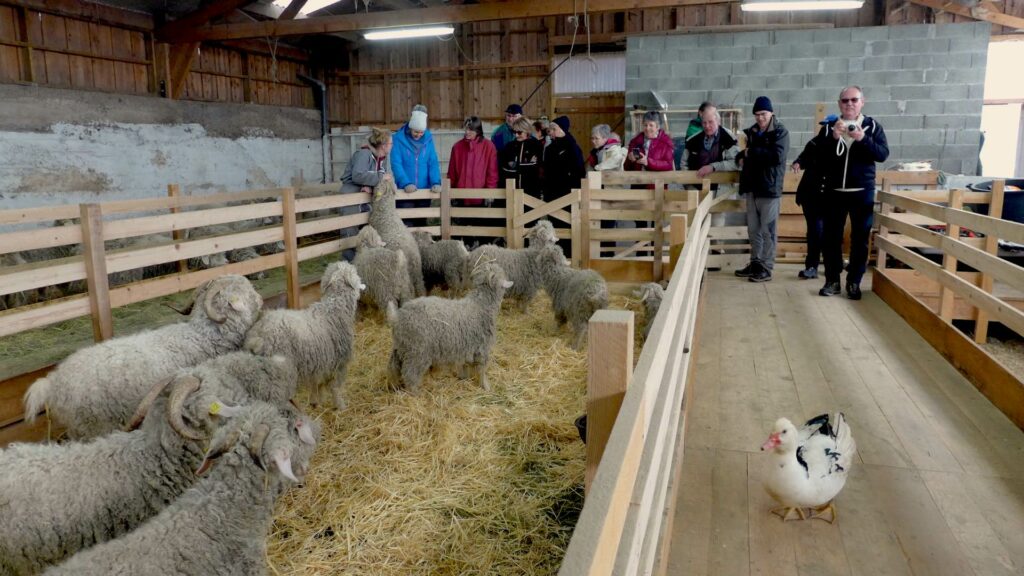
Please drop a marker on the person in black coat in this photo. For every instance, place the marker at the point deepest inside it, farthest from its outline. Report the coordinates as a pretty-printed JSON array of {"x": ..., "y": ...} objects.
[
  {"x": 520, "y": 159},
  {"x": 810, "y": 195},
  {"x": 847, "y": 151},
  {"x": 563, "y": 161}
]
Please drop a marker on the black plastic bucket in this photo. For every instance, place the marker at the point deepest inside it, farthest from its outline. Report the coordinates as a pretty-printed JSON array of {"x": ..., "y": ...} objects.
[{"x": 1013, "y": 200}]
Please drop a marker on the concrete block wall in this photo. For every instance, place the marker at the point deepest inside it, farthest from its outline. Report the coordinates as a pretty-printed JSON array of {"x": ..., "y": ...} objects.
[{"x": 924, "y": 83}]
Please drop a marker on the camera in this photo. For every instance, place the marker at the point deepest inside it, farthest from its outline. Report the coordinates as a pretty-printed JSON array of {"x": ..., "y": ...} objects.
[{"x": 851, "y": 126}]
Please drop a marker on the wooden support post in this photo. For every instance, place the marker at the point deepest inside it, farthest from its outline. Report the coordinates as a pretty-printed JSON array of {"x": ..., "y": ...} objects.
[
  {"x": 995, "y": 210},
  {"x": 26, "y": 54},
  {"x": 291, "y": 250},
  {"x": 246, "y": 78},
  {"x": 510, "y": 211},
  {"x": 590, "y": 249},
  {"x": 947, "y": 297},
  {"x": 609, "y": 369},
  {"x": 676, "y": 240},
  {"x": 173, "y": 191},
  {"x": 446, "y": 209},
  {"x": 883, "y": 230},
  {"x": 576, "y": 245},
  {"x": 96, "y": 272},
  {"x": 659, "y": 227},
  {"x": 518, "y": 209},
  {"x": 180, "y": 60}
]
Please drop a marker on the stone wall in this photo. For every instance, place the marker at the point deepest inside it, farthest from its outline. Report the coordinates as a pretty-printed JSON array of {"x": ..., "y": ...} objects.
[{"x": 923, "y": 83}]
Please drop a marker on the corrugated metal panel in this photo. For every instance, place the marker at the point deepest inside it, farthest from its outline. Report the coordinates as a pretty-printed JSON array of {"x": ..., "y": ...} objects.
[{"x": 606, "y": 73}]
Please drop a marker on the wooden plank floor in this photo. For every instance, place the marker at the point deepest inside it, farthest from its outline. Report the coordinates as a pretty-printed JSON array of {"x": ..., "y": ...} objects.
[{"x": 938, "y": 484}]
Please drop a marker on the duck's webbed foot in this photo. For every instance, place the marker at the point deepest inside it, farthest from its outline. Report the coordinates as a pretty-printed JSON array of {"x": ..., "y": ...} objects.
[
  {"x": 820, "y": 512},
  {"x": 788, "y": 513}
]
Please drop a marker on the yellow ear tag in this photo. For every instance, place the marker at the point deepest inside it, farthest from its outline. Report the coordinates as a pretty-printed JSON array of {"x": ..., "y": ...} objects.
[{"x": 215, "y": 408}]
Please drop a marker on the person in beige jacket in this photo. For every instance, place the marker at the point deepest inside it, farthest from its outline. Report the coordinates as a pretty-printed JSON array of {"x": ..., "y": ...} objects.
[{"x": 608, "y": 153}]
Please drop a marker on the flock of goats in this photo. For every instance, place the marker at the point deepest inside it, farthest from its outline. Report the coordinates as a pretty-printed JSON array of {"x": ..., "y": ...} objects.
[{"x": 182, "y": 437}]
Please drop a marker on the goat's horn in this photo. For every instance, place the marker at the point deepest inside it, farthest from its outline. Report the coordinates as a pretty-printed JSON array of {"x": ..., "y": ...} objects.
[
  {"x": 217, "y": 451},
  {"x": 259, "y": 436},
  {"x": 284, "y": 466},
  {"x": 182, "y": 388},
  {"x": 146, "y": 403},
  {"x": 208, "y": 303}
]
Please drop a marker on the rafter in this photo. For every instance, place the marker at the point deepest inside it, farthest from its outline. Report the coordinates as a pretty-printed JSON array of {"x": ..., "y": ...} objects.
[
  {"x": 199, "y": 17},
  {"x": 986, "y": 11},
  {"x": 412, "y": 17},
  {"x": 292, "y": 10}
]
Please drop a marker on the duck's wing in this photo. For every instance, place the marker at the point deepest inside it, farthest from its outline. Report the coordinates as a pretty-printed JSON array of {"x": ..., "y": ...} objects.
[{"x": 826, "y": 445}]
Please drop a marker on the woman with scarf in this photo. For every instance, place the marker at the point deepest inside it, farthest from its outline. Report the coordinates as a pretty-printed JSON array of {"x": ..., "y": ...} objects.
[{"x": 608, "y": 153}]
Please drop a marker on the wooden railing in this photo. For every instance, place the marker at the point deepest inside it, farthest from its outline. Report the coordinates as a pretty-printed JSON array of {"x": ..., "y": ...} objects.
[
  {"x": 912, "y": 221},
  {"x": 621, "y": 529}
]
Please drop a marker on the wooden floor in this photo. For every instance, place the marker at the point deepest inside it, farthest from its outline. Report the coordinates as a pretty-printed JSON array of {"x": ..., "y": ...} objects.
[{"x": 938, "y": 485}]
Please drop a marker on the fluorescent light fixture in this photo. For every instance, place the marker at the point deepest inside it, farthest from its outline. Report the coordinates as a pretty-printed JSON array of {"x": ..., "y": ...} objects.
[
  {"x": 396, "y": 33},
  {"x": 799, "y": 5},
  {"x": 309, "y": 6}
]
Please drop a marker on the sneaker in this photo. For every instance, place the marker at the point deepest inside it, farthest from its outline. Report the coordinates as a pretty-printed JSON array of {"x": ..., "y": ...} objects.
[
  {"x": 808, "y": 273},
  {"x": 761, "y": 275},
  {"x": 749, "y": 270},
  {"x": 853, "y": 291},
  {"x": 830, "y": 289}
]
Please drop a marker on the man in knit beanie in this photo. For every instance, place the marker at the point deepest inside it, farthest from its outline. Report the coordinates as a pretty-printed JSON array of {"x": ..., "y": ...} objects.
[{"x": 762, "y": 170}]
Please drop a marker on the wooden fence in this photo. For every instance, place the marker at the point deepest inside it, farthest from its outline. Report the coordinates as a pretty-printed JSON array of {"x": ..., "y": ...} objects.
[{"x": 930, "y": 295}]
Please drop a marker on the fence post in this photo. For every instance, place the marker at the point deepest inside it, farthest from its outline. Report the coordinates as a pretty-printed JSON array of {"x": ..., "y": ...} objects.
[
  {"x": 676, "y": 240},
  {"x": 995, "y": 210},
  {"x": 883, "y": 230},
  {"x": 947, "y": 297},
  {"x": 610, "y": 368},
  {"x": 593, "y": 182},
  {"x": 576, "y": 245},
  {"x": 96, "y": 272},
  {"x": 174, "y": 191},
  {"x": 291, "y": 249},
  {"x": 518, "y": 209},
  {"x": 659, "y": 229},
  {"x": 446, "y": 209},
  {"x": 510, "y": 211}
]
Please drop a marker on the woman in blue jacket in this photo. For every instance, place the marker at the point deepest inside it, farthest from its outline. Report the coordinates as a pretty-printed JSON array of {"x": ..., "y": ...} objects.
[{"x": 414, "y": 161}]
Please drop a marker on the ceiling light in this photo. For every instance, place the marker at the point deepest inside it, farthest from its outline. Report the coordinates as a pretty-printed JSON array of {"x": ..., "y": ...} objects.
[
  {"x": 799, "y": 5},
  {"x": 409, "y": 33}
]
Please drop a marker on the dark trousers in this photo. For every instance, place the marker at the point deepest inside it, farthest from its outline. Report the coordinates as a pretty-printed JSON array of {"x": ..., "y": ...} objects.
[
  {"x": 413, "y": 222},
  {"x": 815, "y": 230},
  {"x": 861, "y": 214}
]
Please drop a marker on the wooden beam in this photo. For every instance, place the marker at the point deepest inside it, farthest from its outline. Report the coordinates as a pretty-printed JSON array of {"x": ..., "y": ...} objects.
[
  {"x": 180, "y": 62},
  {"x": 201, "y": 16},
  {"x": 412, "y": 17},
  {"x": 96, "y": 272},
  {"x": 87, "y": 12},
  {"x": 986, "y": 11},
  {"x": 610, "y": 345},
  {"x": 292, "y": 10}
]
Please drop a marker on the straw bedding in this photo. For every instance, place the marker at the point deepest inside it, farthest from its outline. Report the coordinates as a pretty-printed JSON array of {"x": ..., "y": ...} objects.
[{"x": 453, "y": 481}]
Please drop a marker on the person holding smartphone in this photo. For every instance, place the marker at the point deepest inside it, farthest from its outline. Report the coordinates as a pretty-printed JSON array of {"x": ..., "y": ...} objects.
[
  {"x": 651, "y": 149},
  {"x": 847, "y": 150}
]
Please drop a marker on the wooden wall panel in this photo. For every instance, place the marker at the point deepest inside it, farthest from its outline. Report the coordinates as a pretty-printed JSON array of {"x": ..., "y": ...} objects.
[{"x": 10, "y": 56}]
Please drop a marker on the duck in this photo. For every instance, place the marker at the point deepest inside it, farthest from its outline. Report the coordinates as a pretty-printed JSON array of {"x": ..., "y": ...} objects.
[{"x": 809, "y": 466}]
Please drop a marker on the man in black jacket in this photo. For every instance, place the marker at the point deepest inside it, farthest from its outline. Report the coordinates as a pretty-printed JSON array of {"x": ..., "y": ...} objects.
[
  {"x": 763, "y": 168},
  {"x": 847, "y": 150}
]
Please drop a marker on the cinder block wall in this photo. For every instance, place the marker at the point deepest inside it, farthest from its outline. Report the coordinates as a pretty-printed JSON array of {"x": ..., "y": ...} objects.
[{"x": 924, "y": 83}]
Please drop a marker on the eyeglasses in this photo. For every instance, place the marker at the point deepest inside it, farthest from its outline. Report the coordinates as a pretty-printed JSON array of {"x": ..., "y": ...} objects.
[
  {"x": 518, "y": 132},
  {"x": 848, "y": 100}
]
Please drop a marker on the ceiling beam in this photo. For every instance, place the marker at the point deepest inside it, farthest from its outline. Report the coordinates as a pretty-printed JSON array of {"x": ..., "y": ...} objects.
[
  {"x": 412, "y": 17},
  {"x": 292, "y": 10},
  {"x": 986, "y": 11},
  {"x": 199, "y": 17}
]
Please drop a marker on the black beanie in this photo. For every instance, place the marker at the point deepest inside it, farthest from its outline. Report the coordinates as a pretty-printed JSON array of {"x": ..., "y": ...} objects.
[{"x": 762, "y": 103}]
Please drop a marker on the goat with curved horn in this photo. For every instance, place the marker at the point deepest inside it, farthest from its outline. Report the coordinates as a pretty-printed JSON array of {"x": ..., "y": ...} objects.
[
  {"x": 183, "y": 386},
  {"x": 218, "y": 450},
  {"x": 146, "y": 403},
  {"x": 212, "y": 311}
]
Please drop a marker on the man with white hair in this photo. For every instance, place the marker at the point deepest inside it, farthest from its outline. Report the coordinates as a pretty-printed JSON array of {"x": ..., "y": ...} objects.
[
  {"x": 847, "y": 151},
  {"x": 713, "y": 149}
]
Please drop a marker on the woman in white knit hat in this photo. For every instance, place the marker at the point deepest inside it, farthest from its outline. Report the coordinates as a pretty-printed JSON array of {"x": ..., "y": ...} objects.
[{"x": 414, "y": 160}]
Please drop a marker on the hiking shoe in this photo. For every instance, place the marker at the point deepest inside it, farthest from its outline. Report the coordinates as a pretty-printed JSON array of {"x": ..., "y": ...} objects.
[
  {"x": 761, "y": 275},
  {"x": 853, "y": 291},
  {"x": 749, "y": 270},
  {"x": 808, "y": 273},
  {"x": 830, "y": 289}
]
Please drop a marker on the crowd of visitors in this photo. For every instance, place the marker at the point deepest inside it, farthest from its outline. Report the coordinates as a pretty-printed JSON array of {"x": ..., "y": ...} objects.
[{"x": 545, "y": 160}]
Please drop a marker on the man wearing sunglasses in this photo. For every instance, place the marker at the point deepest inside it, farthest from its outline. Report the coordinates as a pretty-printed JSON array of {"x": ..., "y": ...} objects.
[{"x": 847, "y": 150}]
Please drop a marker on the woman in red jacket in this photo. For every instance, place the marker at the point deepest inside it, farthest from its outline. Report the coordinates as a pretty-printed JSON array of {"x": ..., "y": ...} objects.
[
  {"x": 651, "y": 149},
  {"x": 473, "y": 164}
]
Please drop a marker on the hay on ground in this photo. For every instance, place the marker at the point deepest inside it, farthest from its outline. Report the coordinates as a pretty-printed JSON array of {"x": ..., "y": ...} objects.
[{"x": 453, "y": 481}]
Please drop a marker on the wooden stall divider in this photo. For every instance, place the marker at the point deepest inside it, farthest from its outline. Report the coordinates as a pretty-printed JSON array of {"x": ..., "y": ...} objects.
[
  {"x": 291, "y": 250},
  {"x": 96, "y": 272},
  {"x": 609, "y": 370},
  {"x": 676, "y": 240},
  {"x": 659, "y": 230},
  {"x": 590, "y": 250},
  {"x": 995, "y": 210},
  {"x": 510, "y": 212},
  {"x": 446, "y": 209},
  {"x": 946, "y": 296},
  {"x": 173, "y": 191}
]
